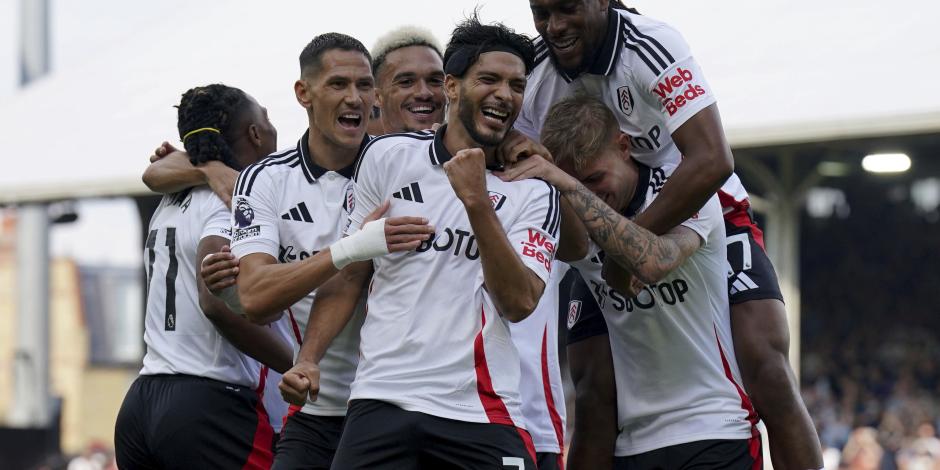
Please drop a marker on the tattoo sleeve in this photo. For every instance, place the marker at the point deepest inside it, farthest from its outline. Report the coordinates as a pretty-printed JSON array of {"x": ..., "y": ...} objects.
[{"x": 646, "y": 255}]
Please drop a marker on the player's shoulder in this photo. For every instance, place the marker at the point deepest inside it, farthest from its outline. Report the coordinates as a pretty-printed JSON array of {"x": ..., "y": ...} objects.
[
  {"x": 649, "y": 43},
  {"x": 276, "y": 165},
  {"x": 399, "y": 147}
]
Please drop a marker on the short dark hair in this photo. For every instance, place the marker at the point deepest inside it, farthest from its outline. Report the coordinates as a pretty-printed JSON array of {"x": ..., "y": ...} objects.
[
  {"x": 577, "y": 129},
  {"x": 211, "y": 110},
  {"x": 480, "y": 37},
  {"x": 400, "y": 38},
  {"x": 312, "y": 53}
]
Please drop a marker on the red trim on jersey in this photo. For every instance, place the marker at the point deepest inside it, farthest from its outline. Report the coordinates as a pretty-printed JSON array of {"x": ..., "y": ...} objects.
[
  {"x": 291, "y": 411},
  {"x": 529, "y": 446},
  {"x": 754, "y": 442},
  {"x": 550, "y": 400},
  {"x": 261, "y": 456},
  {"x": 739, "y": 215},
  {"x": 493, "y": 404},
  {"x": 293, "y": 323}
]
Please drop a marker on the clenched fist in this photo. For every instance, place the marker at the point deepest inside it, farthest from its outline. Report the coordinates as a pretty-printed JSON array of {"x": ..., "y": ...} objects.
[{"x": 467, "y": 174}]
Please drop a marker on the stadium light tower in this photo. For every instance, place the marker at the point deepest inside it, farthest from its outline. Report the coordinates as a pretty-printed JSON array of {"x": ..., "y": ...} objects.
[{"x": 886, "y": 163}]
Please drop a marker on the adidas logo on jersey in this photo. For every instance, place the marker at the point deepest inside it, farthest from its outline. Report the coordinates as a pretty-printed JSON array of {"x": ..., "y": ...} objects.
[
  {"x": 298, "y": 213},
  {"x": 741, "y": 282},
  {"x": 412, "y": 192}
]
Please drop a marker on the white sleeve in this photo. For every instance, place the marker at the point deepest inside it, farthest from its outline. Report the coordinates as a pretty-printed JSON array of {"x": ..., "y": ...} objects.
[
  {"x": 708, "y": 219},
  {"x": 667, "y": 76},
  {"x": 218, "y": 220},
  {"x": 527, "y": 122},
  {"x": 254, "y": 219},
  {"x": 367, "y": 193},
  {"x": 534, "y": 233}
]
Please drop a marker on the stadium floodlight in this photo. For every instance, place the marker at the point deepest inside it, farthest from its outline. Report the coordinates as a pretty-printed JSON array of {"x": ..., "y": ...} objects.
[{"x": 886, "y": 163}]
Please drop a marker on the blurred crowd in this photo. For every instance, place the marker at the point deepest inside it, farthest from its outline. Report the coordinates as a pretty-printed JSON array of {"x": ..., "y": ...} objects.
[{"x": 871, "y": 348}]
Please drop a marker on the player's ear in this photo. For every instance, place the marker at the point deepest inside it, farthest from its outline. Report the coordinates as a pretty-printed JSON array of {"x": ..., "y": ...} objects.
[
  {"x": 254, "y": 136},
  {"x": 302, "y": 92},
  {"x": 623, "y": 145},
  {"x": 451, "y": 88}
]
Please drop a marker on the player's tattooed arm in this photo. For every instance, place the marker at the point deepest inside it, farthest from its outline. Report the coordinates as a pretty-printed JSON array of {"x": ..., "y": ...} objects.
[{"x": 647, "y": 256}]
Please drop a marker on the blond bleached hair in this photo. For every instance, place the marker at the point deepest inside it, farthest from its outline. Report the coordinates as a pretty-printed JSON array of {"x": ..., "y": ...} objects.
[
  {"x": 578, "y": 129},
  {"x": 405, "y": 36}
]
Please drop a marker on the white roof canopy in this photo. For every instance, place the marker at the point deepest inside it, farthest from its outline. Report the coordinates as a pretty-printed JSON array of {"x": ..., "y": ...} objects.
[{"x": 784, "y": 72}]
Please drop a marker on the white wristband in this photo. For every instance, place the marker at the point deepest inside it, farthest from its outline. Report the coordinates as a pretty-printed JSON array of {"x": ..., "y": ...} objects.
[
  {"x": 367, "y": 243},
  {"x": 229, "y": 295}
]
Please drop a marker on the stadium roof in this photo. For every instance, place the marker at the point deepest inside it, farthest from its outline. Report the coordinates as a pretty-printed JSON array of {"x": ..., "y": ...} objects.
[{"x": 784, "y": 71}]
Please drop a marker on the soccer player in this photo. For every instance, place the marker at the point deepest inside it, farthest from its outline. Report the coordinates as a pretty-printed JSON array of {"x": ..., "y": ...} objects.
[
  {"x": 409, "y": 81},
  {"x": 409, "y": 77},
  {"x": 291, "y": 206},
  {"x": 197, "y": 374},
  {"x": 643, "y": 69},
  {"x": 679, "y": 402},
  {"x": 437, "y": 384}
]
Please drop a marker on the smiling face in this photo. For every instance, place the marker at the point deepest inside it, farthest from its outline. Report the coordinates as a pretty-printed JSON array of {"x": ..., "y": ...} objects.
[
  {"x": 338, "y": 96},
  {"x": 411, "y": 89},
  {"x": 488, "y": 97},
  {"x": 573, "y": 29},
  {"x": 611, "y": 175}
]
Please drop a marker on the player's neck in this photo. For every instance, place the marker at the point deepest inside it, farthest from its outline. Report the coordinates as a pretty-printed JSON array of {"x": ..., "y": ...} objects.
[
  {"x": 456, "y": 138},
  {"x": 328, "y": 154}
]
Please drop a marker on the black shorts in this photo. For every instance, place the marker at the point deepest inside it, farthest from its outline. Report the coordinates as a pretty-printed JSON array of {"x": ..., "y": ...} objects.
[
  {"x": 308, "y": 442},
  {"x": 183, "y": 421},
  {"x": 379, "y": 435},
  {"x": 549, "y": 461},
  {"x": 743, "y": 454},
  {"x": 752, "y": 275}
]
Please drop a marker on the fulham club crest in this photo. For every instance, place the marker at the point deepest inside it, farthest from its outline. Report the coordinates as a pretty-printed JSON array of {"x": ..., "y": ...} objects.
[
  {"x": 625, "y": 98},
  {"x": 574, "y": 312}
]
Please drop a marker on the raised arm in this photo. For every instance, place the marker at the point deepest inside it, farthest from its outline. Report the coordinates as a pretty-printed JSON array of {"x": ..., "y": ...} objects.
[
  {"x": 648, "y": 256},
  {"x": 707, "y": 163},
  {"x": 259, "y": 342},
  {"x": 514, "y": 288},
  {"x": 171, "y": 171}
]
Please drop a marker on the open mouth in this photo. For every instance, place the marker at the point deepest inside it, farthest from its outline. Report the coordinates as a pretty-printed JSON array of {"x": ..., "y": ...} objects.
[
  {"x": 424, "y": 110},
  {"x": 350, "y": 120},
  {"x": 495, "y": 115},
  {"x": 564, "y": 45}
]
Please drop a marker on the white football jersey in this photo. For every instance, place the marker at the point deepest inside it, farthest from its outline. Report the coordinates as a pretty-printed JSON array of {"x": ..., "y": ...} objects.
[
  {"x": 540, "y": 387},
  {"x": 674, "y": 363},
  {"x": 179, "y": 337},
  {"x": 433, "y": 341},
  {"x": 646, "y": 74},
  {"x": 290, "y": 208}
]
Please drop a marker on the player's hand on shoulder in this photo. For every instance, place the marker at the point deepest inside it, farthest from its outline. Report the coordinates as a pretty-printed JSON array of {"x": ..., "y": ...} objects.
[
  {"x": 162, "y": 151},
  {"x": 536, "y": 166},
  {"x": 299, "y": 382},
  {"x": 517, "y": 146},
  {"x": 219, "y": 270},
  {"x": 221, "y": 179},
  {"x": 467, "y": 174}
]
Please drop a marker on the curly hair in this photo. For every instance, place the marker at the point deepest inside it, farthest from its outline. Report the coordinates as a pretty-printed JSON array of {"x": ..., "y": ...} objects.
[{"x": 216, "y": 107}]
